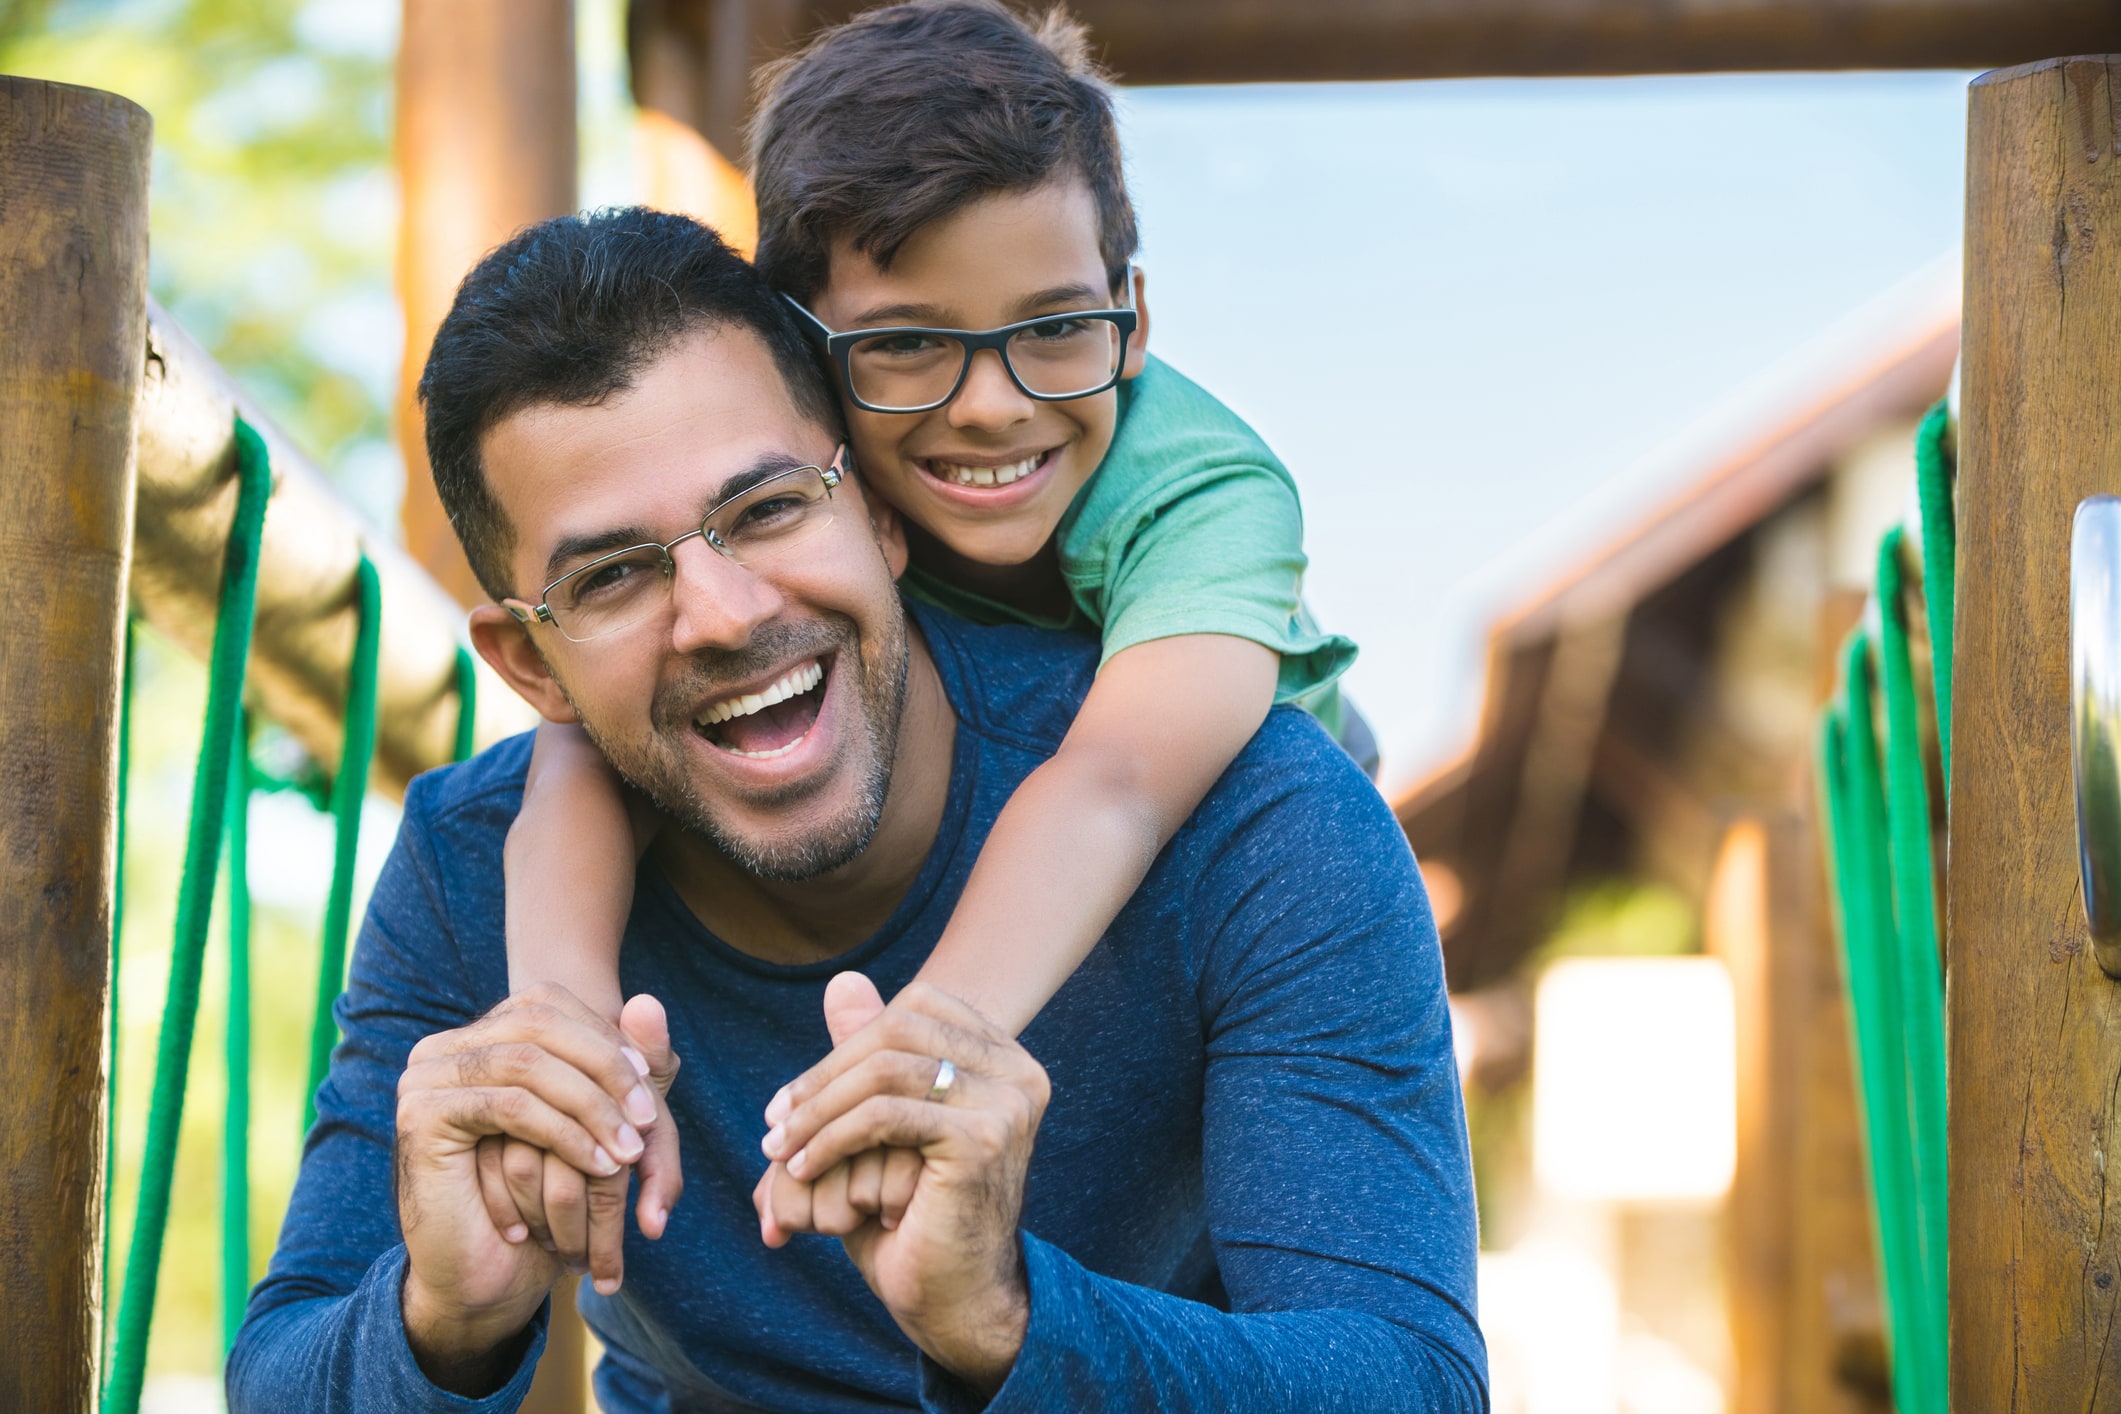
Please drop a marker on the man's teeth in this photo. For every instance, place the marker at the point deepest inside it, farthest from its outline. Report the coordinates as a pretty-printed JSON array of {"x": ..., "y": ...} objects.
[
  {"x": 987, "y": 475},
  {"x": 797, "y": 680}
]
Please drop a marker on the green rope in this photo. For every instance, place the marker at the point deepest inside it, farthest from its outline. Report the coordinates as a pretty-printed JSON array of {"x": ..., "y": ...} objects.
[
  {"x": 1856, "y": 813},
  {"x": 117, "y": 935},
  {"x": 1940, "y": 559},
  {"x": 235, "y": 1132},
  {"x": 348, "y": 788},
  {"x": 209, "y": 805},
  {"x": 467, "y": 705},
  {"x": 1915, "y": 951}
]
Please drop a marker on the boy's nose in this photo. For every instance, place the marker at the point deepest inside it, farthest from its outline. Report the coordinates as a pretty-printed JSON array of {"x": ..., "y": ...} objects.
[
  {"x": 989, "y": 401},
  {"x": 716, "y": 602}
]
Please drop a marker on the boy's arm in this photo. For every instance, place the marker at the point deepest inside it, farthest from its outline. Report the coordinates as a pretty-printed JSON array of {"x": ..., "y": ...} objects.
[
  {"x": 1159, "y": 726},
  {"x": 570, "y": 862}
]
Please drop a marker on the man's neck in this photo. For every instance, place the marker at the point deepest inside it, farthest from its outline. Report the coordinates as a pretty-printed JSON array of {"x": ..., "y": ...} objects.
[{"x": 814, "y": 919}]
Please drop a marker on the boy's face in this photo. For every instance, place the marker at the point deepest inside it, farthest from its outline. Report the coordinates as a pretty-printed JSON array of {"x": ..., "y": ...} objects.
[{"x": 1000, "y": 260}]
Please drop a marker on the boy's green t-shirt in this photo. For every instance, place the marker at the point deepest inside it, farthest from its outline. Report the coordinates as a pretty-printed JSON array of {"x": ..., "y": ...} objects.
[{"x": 1189, "y": 525}]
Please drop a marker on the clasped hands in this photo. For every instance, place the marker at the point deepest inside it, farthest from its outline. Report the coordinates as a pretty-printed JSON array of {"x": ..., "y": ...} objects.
[{"x": 516, "y": 1135}]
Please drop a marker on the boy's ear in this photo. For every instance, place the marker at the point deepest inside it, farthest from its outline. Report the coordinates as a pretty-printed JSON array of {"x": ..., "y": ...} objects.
[
  {"x": 505, "y": 644},
  {"x": 1138, "y": 346},
  {"x": 890, "y": 530}
]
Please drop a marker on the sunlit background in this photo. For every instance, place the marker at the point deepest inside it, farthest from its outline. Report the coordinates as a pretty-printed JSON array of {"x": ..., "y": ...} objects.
[{"x": 1484, "y": 322}]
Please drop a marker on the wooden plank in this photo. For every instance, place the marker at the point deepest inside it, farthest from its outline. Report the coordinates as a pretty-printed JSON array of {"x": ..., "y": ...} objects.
[
  {"x": 2035, "y": 1027},
  {"x": 73, "y": 301},
  {"x": 692, "y": 57},
  {"x": 486, "y": 146}
]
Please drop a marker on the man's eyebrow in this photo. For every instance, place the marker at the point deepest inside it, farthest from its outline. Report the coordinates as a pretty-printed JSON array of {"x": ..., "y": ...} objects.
[
  {"x": 1074, "y": 295},
  {"x": 573, "y": 550}
]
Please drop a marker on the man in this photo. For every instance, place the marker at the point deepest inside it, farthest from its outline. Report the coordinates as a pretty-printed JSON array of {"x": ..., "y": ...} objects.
[{"x": 1250, "y": 1186}]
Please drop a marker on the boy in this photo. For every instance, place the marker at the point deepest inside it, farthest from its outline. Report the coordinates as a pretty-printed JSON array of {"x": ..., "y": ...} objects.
[{"x": 940, "y": 192}]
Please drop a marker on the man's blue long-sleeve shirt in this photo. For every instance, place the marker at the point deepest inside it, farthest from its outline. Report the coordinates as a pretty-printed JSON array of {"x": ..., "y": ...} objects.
[{"x": 1251, "y": 1189}]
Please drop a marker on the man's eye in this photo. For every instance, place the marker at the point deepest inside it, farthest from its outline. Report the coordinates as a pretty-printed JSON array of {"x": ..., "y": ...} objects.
[
  {"x": 772, "y": 511},
  {"x": 605, "y": 579}
]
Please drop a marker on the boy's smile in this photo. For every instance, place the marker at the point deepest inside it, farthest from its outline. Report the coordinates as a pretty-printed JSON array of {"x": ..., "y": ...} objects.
[{"x": 989, "y": 475}]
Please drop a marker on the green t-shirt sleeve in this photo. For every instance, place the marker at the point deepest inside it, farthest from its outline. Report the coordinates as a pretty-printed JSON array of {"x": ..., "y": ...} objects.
[
  {"x": 1191, "y": 525},
  {"x": 1223, "y": 555}
]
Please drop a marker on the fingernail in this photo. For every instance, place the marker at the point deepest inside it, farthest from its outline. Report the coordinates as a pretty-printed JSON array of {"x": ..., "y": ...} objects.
[
  {"x": 775, "y": 1138},
  {"x": 629, "y": 1141},
  {"x": 606, "y": 1286},
  {"x": 889, "y": 1223},
  {"x": 606, "y": 1165},
  {"x": 662, "y": 1220},
  {"x": 798, "y": 1162},
  {"x": 638, "y": 1061},
  {"x": 777, "y": 1108},
  {"x": 640, "y": 1105},
  {"x": 516, "y": 1233}
]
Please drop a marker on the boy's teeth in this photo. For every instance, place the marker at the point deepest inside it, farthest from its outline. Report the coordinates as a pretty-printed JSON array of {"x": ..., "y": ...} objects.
[
  {"x": 986, "y": 475},
  {"x": 793, "y": 683}
]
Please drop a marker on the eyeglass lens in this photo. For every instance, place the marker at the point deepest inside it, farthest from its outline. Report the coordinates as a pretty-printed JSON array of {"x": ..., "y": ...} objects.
[
  {"x": 620, "y": 590},
  {"x": 1056, "y": 358}
]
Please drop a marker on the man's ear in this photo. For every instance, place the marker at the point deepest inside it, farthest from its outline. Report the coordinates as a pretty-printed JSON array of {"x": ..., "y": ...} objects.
[
  {"x": 505, "y": 644},
  {"x": 1138, "y": 346},
  {"x": 890, "y": 530}
]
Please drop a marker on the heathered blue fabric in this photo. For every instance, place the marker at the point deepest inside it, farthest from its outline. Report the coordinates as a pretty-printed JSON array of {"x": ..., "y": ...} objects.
[{"x": 1251, "y": 1190}]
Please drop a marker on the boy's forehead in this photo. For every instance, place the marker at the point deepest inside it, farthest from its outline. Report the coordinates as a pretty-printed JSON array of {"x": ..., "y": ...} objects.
[{"x": 995, "y": 255}]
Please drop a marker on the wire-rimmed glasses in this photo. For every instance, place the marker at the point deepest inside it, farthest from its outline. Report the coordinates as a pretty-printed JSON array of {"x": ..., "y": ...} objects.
[
  {"x": 624, "y": 588},
  {"x": 912, "y": 368}
]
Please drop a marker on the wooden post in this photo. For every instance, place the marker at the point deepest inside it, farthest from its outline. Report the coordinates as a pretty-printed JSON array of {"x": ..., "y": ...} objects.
[
  {"x": 486, "y": 146},
  {"x": 2035, "y": 1026},
  {"x": 73, "y": 300}
]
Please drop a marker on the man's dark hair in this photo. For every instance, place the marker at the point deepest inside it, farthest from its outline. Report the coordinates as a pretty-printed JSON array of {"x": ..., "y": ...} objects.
[
  {"x": 569, "y": 312},
  {"x": 903, "y": 115}
]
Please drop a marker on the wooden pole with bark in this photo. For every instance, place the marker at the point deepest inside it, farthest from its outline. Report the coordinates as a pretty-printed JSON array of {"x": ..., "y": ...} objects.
[{"x": 73, "y": 290}]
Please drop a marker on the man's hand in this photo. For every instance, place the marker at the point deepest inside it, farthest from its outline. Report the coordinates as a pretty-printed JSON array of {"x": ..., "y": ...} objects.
[
  {"x": 951, "y": 1271},
  {"x": 542, "y": 1068}
]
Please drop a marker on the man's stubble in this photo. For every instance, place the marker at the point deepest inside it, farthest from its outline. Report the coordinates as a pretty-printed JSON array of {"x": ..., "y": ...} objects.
[{"x": 656, "y": 768}]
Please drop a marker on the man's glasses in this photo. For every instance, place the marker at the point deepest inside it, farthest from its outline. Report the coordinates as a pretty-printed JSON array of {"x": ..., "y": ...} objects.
[
  {"x": 1052, "y": 358},
  {"x": 624, "y": 588}
]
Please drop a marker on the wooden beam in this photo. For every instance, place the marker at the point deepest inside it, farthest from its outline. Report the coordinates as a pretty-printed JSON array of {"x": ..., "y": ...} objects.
[
  {"x": 2034, "y": 1025},
  {"x": 692, "y": 57},
  {"x": 486, "y": 146},
  {"x": 73, "y": 292},
  {"x": 303, "y": 643}
]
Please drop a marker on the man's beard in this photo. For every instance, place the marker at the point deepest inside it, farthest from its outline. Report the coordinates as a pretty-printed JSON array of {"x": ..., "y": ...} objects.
[{"x": 656, "y": 768}]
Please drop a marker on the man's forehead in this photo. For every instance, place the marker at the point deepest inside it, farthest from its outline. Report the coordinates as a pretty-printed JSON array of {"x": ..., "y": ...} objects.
[{"x": 697, "y": 418}]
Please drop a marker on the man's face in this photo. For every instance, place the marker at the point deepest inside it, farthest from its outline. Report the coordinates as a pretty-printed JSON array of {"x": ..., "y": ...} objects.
[
  {"x": 788, "y": 789},
  {"x": 990, "y": 473}
]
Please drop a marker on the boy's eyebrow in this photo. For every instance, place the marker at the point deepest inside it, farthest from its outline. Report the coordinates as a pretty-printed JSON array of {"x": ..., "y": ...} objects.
[
  {"x": 573, "y": 549},
  {"x": 1075, "y": 294}
]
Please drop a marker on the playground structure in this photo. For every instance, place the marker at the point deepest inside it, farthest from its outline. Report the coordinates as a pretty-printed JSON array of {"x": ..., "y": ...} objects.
[{"x": 120, "y": 480}]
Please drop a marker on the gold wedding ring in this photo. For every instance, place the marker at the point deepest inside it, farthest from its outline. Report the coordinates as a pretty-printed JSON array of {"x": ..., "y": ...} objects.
[{"x": 945, "y": 1077}]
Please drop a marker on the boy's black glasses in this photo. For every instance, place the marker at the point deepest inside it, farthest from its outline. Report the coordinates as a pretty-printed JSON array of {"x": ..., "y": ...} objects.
[{"x": 1052, "y": 358}]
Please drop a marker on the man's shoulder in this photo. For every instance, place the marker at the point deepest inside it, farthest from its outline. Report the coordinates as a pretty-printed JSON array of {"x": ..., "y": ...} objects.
[
  {"x": 479, "y": 797},
  {"x": 1010, "y": 682}
]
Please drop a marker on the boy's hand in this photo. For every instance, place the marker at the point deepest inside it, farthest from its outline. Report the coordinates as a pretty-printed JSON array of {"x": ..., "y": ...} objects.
[{"x": 533, "y": 1195}]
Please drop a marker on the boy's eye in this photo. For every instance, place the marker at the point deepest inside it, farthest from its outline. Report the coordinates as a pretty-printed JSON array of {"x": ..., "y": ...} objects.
[
  {"x": 1054, "y": 330},
  {"x": 900, "y": 346}
]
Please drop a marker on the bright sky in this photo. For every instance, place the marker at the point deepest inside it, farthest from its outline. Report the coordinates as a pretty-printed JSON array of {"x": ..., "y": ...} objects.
[{"x": 1469, "y": 315}]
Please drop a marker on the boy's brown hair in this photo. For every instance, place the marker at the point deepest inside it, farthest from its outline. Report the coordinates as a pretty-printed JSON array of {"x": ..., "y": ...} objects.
[{"x": 905, "y": 114}]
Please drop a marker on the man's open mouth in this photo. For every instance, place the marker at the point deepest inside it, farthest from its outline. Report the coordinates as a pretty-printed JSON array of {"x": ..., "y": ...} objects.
[{"x": 770, "y": 722}]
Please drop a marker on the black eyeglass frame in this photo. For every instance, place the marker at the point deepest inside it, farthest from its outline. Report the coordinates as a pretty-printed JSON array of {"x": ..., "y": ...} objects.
[{"x": 839, "y": 347}]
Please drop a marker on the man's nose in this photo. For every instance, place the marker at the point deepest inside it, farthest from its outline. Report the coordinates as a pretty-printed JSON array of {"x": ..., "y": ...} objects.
[
  {"x": 989, "y": 401},
  {"x": 716, "y": 602}
]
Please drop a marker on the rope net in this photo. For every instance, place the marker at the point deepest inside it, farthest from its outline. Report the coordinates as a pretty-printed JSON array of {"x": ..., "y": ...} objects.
[{"x": 224, "y": 782}]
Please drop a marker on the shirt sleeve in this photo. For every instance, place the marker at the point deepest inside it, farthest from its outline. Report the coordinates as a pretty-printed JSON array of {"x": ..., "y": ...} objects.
[
  {"x": 325, "y": 1329},
  {"x": 1339, "y": 1187},
  {"x": 1217, "y": 548}
]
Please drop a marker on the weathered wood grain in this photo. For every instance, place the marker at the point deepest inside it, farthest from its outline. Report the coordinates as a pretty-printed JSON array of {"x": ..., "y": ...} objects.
[
  {"x": 2035, "y": 1027},
  {"x": 73, "y": 293}
]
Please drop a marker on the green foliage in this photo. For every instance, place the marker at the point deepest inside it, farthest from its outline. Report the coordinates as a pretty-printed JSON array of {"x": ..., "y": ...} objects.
[
  {"x": 274, "y": 205},
  {"x": 1622, "y": 918}
]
